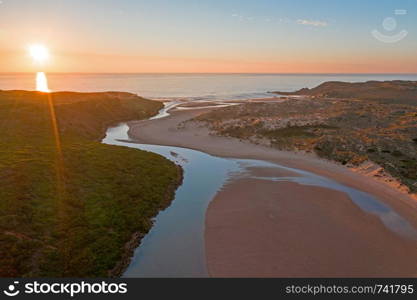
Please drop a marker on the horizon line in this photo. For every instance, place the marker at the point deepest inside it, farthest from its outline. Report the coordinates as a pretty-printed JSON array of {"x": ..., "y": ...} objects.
[{"x": 221, "y": 73}]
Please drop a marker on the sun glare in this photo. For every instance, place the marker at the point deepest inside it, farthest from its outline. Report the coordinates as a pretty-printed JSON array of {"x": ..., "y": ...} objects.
[
  {"x": 42, "y": 82},
  {"x": 39, "y": 53}
]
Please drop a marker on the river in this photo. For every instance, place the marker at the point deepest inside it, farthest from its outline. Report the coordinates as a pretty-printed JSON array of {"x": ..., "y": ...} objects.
[{"x": 175, "y": 245}]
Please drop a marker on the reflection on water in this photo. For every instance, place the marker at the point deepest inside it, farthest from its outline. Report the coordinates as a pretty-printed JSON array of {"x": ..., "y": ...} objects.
[
  {"x": 164, "y": 112},
  {"x": 175, "y": 245},
  {"x": 42, "y": 82},
  {"x": 364, "y": 201}
]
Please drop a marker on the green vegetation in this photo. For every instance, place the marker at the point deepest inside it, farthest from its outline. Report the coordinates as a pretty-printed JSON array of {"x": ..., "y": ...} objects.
[
  {"x": 70, "y": 212},
  {"x": 294, "y": 131}
]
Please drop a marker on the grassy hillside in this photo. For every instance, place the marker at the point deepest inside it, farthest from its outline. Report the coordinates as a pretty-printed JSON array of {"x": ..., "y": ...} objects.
[{"x": 68, "y": 207}]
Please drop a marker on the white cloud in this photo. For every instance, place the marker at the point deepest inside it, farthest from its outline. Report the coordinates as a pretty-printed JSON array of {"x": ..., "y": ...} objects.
[
  {"x": 243, "y": 18},
  {"x": 312, "y": 23}
]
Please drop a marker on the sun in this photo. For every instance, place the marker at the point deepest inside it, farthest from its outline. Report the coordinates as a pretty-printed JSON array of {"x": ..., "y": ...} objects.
[{"x": 39, "y": 53}]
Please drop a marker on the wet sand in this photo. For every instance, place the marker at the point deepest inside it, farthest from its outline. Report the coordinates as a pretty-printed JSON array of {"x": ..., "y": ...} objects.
[{"x": 260, "y": 228}]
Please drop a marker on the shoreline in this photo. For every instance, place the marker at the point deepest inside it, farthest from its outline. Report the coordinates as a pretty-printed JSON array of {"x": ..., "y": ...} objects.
[
  {"x": 134, "y": 242},
  {"x": 166, "y": 132},
  {"x": 136, "y": 237}
]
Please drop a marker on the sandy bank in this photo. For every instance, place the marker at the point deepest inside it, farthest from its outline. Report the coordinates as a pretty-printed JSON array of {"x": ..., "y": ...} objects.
[
  {"x": 167, "y": 132},
  {"x": 258, "y": 228},
  {"x": 272, "y": 246}
]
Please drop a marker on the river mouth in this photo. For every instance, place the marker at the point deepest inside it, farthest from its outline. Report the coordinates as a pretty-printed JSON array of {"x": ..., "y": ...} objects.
[{"x": 175, "y": 246}]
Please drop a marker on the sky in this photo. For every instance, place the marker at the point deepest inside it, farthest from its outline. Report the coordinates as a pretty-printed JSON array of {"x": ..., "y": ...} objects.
[{"x": 211, "y": 36}]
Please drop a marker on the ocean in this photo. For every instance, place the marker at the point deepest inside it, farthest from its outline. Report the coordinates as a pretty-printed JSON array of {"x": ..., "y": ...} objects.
[{"x": 210, "y": 87}]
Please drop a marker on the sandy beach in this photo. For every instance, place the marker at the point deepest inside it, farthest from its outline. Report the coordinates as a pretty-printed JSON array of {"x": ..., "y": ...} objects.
[{"x": 258, "y": 228}]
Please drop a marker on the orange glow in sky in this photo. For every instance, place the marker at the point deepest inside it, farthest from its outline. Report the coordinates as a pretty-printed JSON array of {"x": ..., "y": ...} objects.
[{"x": 214, "y": 36}]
